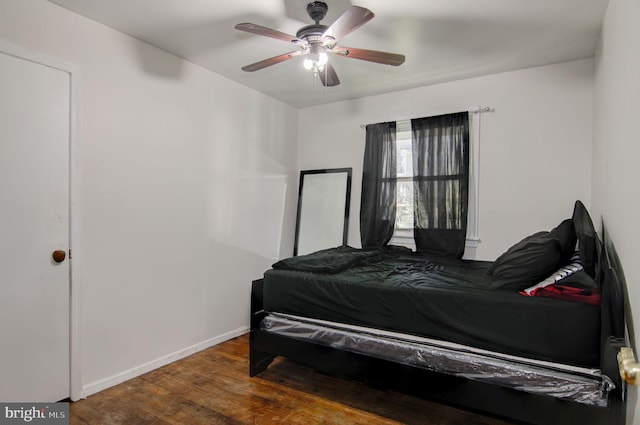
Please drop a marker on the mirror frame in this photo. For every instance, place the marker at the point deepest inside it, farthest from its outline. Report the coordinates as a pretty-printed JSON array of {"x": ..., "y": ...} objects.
[{"x": 347, "y": 201}]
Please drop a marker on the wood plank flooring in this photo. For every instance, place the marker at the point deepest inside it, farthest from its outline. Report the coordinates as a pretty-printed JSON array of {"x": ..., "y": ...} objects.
[{"x": 214, "y": 387}]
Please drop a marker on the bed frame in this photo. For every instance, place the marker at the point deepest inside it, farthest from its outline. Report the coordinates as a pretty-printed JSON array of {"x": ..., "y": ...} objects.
[{"x": 456, "y": 391}]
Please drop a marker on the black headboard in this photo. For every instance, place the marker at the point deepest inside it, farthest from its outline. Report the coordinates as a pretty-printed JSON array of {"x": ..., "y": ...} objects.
[{"x": 614, "y": 321}]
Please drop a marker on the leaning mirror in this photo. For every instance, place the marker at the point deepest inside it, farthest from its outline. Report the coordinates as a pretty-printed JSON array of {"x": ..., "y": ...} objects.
[{"x": 323, "y": 209}]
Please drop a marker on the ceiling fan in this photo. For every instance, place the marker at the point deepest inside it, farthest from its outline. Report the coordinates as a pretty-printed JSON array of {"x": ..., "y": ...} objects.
[{"x": 316, "y": 41}]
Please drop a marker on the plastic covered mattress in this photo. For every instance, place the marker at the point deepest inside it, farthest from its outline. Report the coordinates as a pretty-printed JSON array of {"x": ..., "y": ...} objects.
[{"x": 583, "y": 385}]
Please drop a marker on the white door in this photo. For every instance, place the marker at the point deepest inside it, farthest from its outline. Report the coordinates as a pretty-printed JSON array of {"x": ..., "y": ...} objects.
[{"x": 34, "y": 222}]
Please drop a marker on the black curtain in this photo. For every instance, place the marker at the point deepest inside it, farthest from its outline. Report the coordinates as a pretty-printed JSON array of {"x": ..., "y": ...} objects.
[
  {"x": 441, "y": 180},
  {"x": 378, "y": 202}
]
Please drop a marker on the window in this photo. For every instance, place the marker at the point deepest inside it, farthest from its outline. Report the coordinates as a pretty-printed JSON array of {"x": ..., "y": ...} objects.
[
  {"x": 403, "y": 232},
  {"x": 404, "y": 175}
]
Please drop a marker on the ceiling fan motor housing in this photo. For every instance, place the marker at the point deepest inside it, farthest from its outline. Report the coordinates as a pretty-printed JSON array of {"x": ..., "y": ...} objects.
[
  {"x": 311, "y": 33},
  {"x": 317, "y": 10}
]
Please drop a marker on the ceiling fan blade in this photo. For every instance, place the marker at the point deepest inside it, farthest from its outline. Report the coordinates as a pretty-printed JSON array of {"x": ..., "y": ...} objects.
[
  {"x": 328, "y": 76},
  {"x": 271, "y": 61},
  {"x": 385, "y": 58},
  {"x": 349, "y": 21},
  {"x": 268, "y": 32}
]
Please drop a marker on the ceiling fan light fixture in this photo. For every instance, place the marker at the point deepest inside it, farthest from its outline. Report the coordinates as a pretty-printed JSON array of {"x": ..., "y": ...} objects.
[
  {"x": 316, "y": 58},
  {"x": 316, "y": 61},
  {"x": 323, "y": 58},
  {"x": 308, "y": 63}
]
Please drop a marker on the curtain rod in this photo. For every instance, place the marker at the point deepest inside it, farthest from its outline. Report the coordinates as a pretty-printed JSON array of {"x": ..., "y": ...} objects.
[{"x": 471, "y": 111}]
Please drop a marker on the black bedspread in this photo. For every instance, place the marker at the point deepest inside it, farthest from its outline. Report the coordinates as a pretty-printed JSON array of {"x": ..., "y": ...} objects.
[{"x": 436, "y": 297}]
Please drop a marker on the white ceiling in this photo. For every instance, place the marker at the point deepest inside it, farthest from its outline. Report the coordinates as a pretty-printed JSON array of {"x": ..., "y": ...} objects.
[{"x": 443, "y": 40}]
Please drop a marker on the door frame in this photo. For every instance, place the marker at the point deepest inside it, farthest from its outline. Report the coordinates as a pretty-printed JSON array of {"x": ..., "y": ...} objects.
[{"x": 75, "y": 378}]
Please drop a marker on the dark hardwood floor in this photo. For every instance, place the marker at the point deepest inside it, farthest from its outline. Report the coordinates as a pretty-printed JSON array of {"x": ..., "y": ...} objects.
[{"x": 214, "y": 387}]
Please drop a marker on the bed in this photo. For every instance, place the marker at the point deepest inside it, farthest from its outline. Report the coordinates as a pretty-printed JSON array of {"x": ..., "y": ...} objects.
[{"x": 532, "y": 336}]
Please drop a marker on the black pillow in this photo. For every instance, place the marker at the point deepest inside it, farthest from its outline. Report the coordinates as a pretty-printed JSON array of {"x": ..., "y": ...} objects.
[
  {"x": 579, "y": 279},
  {"x": 527, "y": 262},
  {"x": 566, "y": 235},
  {"x": 501, "y": 257},
  {"x": 587, "y": 238}
]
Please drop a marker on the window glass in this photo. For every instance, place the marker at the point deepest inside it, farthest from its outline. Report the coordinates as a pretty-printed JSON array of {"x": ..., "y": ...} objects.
[{"x": 404, "y": 188}]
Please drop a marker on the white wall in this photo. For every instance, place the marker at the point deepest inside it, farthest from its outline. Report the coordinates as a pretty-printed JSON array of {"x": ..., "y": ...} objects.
[
  {"x": 184, "y": 181},
  {"x": 535, "y": 154},
  {"x": 616, "y": 194}
]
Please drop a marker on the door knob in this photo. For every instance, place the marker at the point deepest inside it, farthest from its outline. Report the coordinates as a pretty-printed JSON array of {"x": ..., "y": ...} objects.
[{"x": 58, "y": 256}]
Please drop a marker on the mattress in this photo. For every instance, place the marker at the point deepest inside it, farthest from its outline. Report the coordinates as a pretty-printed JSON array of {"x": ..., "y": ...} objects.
[{"x": 434, "y": 297}]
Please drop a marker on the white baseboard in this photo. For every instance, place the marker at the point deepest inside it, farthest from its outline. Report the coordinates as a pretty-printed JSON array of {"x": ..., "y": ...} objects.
[{"x": 103, "y": 384}]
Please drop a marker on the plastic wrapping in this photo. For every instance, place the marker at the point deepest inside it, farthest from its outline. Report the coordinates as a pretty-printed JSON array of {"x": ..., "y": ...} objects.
[{"x": 587, "y": 386}]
